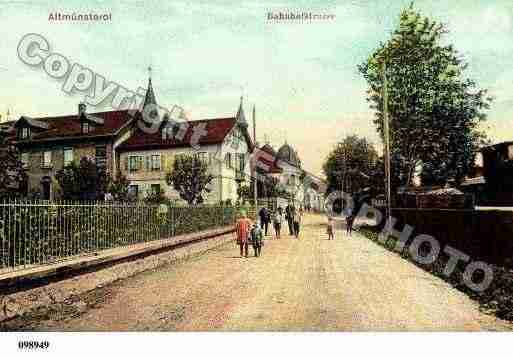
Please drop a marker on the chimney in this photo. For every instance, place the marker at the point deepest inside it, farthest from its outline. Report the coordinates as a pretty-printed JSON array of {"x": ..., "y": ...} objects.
[{"x": 81, "y": 108}]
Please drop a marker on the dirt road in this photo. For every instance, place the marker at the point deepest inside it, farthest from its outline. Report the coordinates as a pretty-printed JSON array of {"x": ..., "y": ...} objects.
[{"x": 307, "y": 284}]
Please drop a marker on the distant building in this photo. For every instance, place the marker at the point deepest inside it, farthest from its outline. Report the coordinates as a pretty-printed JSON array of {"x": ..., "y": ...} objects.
[
  {"x": 146, "y": 158},
  {"x": 314, "y": 192},
  {"x": 285, "y": 166},
  {"x": 47, "y": 144},
  {"x": 491, "y": 180}
]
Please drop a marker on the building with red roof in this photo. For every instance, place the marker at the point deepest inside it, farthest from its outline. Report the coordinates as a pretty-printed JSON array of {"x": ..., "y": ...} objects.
[
  {"x": 48, "y": 144},
  {"x": 126, "y": 142},
  {"x": 147, "y": 156}
]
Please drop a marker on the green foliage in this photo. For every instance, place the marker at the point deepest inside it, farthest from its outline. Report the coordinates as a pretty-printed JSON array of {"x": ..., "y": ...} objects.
[
  {"x": 190, "y": 178},
  {"x": 156, "y": 197},
  {"x": 118, "y": 188},
  {"x": 267, "y": 187},
  {"x": 434, "y": 111},
  {"x": 44, "y": 233},
  {"x": 346, "y": 163},
  {"x": 85, "y": 181},
  {"x": 12, "y": 174}
]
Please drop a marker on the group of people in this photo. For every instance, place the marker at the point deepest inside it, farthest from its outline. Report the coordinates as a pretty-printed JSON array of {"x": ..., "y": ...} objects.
[
  {"x": 349, "y": 226},
  {"x": 292, "y": 216},
  {"x": 248, "y": 233}
]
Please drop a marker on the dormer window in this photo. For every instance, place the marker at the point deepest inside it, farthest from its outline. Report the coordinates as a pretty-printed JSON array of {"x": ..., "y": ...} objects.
[
  {"x": 86, "y": 127},
  {"x": 25, "y": 133}
]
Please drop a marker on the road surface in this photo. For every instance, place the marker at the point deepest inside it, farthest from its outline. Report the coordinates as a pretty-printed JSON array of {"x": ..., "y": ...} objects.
[{"x": 310, "y": 284}]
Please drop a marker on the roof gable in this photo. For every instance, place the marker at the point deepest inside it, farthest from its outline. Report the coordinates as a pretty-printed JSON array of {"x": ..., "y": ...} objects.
[
  {"x": 64, "y": 127},
  {"x": 216, "y": 131}
]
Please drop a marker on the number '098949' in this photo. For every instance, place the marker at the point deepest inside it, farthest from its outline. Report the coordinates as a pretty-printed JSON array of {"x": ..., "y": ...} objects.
[{"x": 33, "y": 345}]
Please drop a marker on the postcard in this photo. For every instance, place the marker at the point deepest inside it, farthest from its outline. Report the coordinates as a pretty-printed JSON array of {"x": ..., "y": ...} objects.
[{"x": 291, "y": 166}]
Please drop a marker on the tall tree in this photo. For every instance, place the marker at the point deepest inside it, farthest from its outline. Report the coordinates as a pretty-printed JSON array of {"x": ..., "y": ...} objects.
[
  {"x": 434, "y": 110},
  {"x": 190, "y": 178},
  {"x": 350, "y": 163},
  {"x": 82, "y": 181},
  {"x": 12, "y": 173}
]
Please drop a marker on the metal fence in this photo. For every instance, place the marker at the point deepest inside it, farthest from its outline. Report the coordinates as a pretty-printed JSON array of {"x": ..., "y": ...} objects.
[{"x": 35, "y": 233}]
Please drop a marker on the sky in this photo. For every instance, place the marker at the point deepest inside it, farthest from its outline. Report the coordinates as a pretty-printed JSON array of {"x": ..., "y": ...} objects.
[{"x": 302, "y": 77}]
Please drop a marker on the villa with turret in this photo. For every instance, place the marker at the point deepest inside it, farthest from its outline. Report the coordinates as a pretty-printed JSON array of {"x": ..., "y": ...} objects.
[{"x": 116, "y": 142}]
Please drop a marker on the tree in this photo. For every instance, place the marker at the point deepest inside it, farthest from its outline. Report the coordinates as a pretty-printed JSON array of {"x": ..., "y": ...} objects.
[
  {"x": 118, "y": 188},
  {"x": 190, "y": 178},
  {"x": 351, "y": 162},
  {"x": 83, "y": 181},
  {"x": 12, "y": 172},
  {"x": 156, "y": 197},
  {"x": 268, "y": 187},
  {"x": 434, "y": 111}
]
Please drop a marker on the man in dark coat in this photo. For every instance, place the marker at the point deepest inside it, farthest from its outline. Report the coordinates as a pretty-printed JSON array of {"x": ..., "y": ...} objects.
[
  {"x": 265, "y": 218},
  {"x": 290, "y": 211}
]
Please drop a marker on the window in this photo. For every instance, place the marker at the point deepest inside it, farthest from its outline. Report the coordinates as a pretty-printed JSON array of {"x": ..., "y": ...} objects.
[
  {"x": 25, "y": 159},
  {"x": 510, "y": 152},
  {"x": 155, "y": 162},
  {"x": 85, "y": 127},
  {"x": 24, "y": 133},
  {"x": 68, "y": 156},
  {"x": 202, "y": 156},
  {"x": 228, "y": 160},
  {"x": 135, "y": 163},
  {"x": 242, "y": 162},
  {"x": 211, "y": 157},
  {"x": 133, "y": 190},
  {"x": 155, "y": 188},
  {"x": 101, "y": 156},
  {"x": 479, "y": 160},
  {"x": 47, "y": 159}
]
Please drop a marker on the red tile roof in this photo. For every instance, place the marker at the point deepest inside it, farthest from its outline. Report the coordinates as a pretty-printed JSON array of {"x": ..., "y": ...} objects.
[
  {"x": 216, "y": 131},
  {"x": 63, "y": 127},
  {"x": 267, "y": 163}
]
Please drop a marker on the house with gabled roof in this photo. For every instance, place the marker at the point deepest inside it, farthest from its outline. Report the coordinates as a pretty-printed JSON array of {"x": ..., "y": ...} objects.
[
  {"x": 146, "y": 157},
  {"x": 47, "y": 144}
]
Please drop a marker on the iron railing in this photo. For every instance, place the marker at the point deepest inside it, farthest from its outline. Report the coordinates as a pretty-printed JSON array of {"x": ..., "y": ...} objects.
[{"x": 34, "y": 233}]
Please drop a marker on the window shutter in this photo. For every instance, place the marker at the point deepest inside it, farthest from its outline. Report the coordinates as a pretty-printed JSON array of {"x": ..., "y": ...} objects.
[{"x": 148, "y": 163}]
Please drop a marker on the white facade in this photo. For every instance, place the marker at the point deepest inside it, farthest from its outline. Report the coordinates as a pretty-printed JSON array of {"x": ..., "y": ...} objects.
[{"x": 146, "y": 170}]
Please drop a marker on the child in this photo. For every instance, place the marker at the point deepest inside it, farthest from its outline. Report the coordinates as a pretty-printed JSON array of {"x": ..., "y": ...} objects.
[
  {"x": 330, "y": 228},
  {"x": 257, "y": 239},
  {"x": 349, "y": 224},
  {"x": 278, "y": 218}
]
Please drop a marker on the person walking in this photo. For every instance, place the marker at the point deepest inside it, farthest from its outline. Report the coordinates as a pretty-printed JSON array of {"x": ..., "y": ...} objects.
[
  {"x": 329, "y": 230},
  {"x": 289, "y": 216},
  {"x": 297, "y": 222},
  {"x": 349, "y": 223},
  {"x": 257, "y": 239},
  {"x": 242, "y": 231},
  {"x": 278, "y": 218},
  {"x": 265, "y": 218}
]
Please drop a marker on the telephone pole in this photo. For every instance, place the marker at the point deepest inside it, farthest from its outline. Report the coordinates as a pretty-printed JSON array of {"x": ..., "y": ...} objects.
[
  {"x": 386, "y": 136},
  {"x": 254, "y": 174}
]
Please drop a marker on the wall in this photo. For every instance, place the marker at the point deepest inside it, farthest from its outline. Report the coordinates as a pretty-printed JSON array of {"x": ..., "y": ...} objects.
[
  {"x": 485, "y": 235},
  {"x": 146, "y": 177},
  {"x": 36, "y": 172}
]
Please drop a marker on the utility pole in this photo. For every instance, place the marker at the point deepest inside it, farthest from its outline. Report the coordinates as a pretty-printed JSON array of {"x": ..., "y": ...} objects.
[
  {"x": 254, "y": 174},
  {"x": 386, "y": 135}
]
